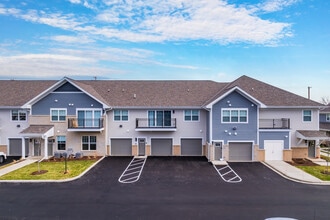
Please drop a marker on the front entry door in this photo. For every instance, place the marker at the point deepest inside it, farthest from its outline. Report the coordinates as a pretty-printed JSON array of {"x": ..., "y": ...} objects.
[
  {"x": 218, "y": 151},
  {"x": 311, "y": 149},
  {"x": 142, "y": 146},
  {"x": 37, "y": 147}
]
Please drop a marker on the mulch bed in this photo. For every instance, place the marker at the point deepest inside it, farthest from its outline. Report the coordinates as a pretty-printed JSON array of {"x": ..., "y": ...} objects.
[
  {"x": 53, "y": 159},
  {"x": 39, "y": 172},
  {"x": 302, "y": 162}
]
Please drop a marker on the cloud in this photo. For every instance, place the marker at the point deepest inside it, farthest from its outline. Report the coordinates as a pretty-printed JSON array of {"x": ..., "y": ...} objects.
[
  {"x": 167, "y": 20},
  {"x": 72, "y": 39},
  {"x": 276, "y": 5}
]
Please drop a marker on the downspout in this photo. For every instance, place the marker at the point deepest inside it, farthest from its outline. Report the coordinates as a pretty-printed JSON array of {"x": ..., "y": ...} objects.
[{"x": 107, "y": 130}]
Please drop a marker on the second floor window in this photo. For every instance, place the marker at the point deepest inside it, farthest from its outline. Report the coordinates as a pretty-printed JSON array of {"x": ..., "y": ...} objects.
[
  {"x": 89, "y": 117},
  {"x": 307, "y": 115},
  {"x": 191, "y": 115},
  {"x": 18, "y": 115},
  {"x": 120, "y": 115},
  {"x": 58, "y": 114},
  {"x": 327, "y": 117},
  {"x": 159, "y": 118},
  {"x": 234, "y": 116}
]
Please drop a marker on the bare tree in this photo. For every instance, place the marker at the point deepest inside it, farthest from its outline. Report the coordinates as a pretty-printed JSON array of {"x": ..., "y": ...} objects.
[{"x": 325, "y": 100}]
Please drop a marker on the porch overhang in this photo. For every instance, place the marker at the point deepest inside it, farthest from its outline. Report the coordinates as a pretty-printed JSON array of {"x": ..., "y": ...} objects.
[
  {"x": 38, "y": 131},
  {"x": 309, "y": 135}
]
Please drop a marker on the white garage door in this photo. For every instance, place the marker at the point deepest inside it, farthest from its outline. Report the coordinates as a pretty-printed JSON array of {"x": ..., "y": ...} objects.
[
  {"x": 191, "y": 147},
  {"x": 161, "y": 147},
  {"x": 240, "y": 151},
  {"x": 274, "y": 149},
  {"x": 121, "y": 147}
]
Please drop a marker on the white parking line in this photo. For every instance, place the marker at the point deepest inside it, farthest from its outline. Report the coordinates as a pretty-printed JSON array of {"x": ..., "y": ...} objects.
[
  {"x": 228, "y": 174},
  {"x": 133, "y": 171}
]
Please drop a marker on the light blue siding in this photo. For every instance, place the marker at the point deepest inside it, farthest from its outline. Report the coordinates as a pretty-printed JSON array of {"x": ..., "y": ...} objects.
[
  {"x": 62, "y": 100},
  {"x": 244, "y": 131},
  {"x": 274, "y": 135}
]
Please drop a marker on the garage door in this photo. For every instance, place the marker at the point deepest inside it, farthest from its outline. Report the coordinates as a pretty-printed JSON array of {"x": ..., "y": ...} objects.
[
  {"x": 161, "y": 147},
  {"x": 274, "y": 149},
  {"x": 121, "y": 147},
  {"x": 240, "y": 151},
  {"x": 15, "y": 147},
  {"x": 191, "y": 147}
]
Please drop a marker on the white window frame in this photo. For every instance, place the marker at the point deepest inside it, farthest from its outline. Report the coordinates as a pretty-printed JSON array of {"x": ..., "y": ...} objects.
[
  {"x": 191, "y": 115},
  {"x": 18, "y": 116},
  {"x": 303, "y": 115},
  {"x": 239, "y": 116},
  {"x": 58, "y": 141},
  {"x": 120, "y": 114},
  {"x": 89, "y": 142},
  {"x": 58, "y": 114},
  {"x": 327, "y": 117},
  {"x": 92, "y": 120}
]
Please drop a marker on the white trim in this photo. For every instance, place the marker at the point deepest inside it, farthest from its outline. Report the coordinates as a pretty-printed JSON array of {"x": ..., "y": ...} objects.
[
  {"x": 54, "y": 87},
  {"x": 184, "y": 115},
  {"x": 235, "y": 109},
  {"x": 58, "y": 109},
  {"x": 242, "y": 92}
]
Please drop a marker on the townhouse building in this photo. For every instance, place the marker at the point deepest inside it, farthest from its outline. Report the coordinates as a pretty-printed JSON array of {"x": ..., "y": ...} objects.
[{"x": 243, "y": 120}]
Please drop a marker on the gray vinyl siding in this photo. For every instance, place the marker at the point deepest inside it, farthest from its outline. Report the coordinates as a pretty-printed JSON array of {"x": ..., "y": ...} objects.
[
  {"x": 79, "y": 100},
  {"x": 274, "y": 135},
  {"x": 323, "y": 118},
  {"x": 245, "y": 131}
]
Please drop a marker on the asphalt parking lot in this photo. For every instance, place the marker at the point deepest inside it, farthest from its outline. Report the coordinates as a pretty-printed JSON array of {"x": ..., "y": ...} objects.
[
  {"x": 168, "y": 188},
  {"x": 9, "y": 160}
]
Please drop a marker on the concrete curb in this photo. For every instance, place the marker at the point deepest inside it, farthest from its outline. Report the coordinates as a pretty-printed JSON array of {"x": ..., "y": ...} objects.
[
  {"x": 54, "y": 181},
  {"x": 324, "y": 183}
]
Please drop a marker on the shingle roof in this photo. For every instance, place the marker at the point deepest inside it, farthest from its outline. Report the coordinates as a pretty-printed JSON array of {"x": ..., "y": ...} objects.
[
  {"x": 148, "y": 93},
  {"x": 268, "y": 94},
  {"x": 154, "y": 93},
  {"x": 37, "y": 129},
  {"x": 18, "y": 92}
]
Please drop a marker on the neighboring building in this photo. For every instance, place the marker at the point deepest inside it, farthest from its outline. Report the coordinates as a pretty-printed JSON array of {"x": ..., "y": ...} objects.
[
  {"x": 245, "y": 120},
  {"x": 325, "y": 120}
]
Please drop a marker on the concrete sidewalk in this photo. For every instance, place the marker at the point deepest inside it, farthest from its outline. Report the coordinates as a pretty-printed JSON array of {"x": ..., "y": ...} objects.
[
  {"x": 293, "y": 173},
  {"x": 16, "y": 166}
]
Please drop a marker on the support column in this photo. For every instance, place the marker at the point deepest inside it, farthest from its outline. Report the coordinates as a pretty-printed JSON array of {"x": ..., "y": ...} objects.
[
  {"x": 23, "y": 148},
  {"x": 46, "y": 146}
]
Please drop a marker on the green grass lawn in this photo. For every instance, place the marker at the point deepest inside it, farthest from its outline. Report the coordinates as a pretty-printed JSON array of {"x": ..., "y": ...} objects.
[
  {"x": 316, "y": 171},
  {"x": 55, "y": 170}
]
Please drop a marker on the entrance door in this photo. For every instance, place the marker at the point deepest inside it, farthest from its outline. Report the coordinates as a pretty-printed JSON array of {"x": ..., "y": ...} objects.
[
  {"x": 37, "y": 147},
  {"x": 217, "y": 151},
  {"x": 311, "y": 149},
  {"x": 142, "y": 146}
]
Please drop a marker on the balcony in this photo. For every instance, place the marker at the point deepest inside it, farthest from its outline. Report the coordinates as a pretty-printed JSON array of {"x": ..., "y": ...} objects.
[
  {"x": 281, "y": 123},
  {"x": 145, "y": 124},
  {"x": 75, "y": 124}
]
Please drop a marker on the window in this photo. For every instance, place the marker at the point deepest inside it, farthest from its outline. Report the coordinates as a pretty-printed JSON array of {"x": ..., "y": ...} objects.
[
  {"x": 58, "y": 114},
  {"x": 18, "y": 115},
  {"x": 89, "y": 118},
  {"x": 88, "y": 142},
  {"x": 327, "y": 117},
  {"x": 307, "y": 115},
  {"x": 191, "y": 115},
  {"x": 159, "y": 118},
  {"x": 120, "y": 115},
  {"x": 234, "y": 116},
  {"x": 61, "y": 142}
]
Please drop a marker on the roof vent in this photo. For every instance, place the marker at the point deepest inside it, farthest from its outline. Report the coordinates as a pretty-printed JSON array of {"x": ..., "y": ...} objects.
[{"x": 134, "y": 95}]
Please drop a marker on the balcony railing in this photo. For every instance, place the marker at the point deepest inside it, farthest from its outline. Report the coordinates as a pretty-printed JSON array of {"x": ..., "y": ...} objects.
[
  {"x": 85, "y": 124},
  {"x": 280, "y": 123},
  {"x": 145, "y": 123}
]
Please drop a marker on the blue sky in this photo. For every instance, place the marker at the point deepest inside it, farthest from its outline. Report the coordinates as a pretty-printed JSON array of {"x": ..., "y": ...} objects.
[{"x": 281, "y": 42}]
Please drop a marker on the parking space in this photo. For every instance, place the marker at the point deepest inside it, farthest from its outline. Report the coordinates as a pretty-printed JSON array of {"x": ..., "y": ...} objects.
[
  {"x": 227, "y": 174},
  {"x": 170, "y": 187},
  {"x": 133, "y": 171},
  {"x": 9, "y": 160}
]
